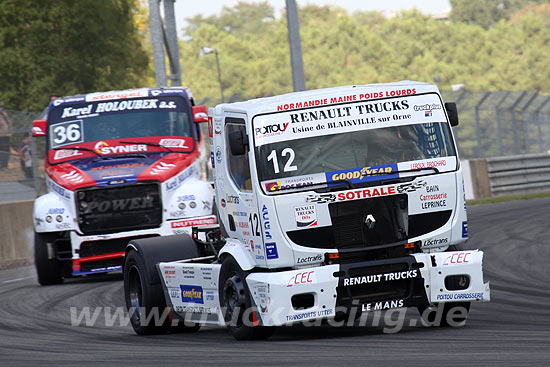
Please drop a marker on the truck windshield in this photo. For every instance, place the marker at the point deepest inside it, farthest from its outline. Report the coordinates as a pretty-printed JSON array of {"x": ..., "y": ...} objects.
[
  {"x": 372, "y": 151},
  {"x": 164, "y": 116}
]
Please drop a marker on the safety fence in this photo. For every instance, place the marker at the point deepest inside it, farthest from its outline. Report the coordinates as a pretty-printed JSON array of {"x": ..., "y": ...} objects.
[
  {"x": 521, "y": 174},
  {"x": 495, "y": 124}
]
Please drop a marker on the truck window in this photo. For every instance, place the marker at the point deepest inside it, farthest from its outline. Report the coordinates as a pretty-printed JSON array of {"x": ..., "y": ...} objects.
[
  {"x": 133, "y": 118},
  {"x": 382, "y": 136},
  {"x": 239, "y": 167}
]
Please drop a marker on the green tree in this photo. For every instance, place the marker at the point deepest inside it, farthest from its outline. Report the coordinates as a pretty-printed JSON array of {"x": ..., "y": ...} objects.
[
  {"x": 486, "y": 12},
  {"x": 242, "y": 19},
  {"x": 67, "y": 47}
]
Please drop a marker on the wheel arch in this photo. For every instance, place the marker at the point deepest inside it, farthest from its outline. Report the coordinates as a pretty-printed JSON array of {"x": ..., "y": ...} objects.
[
  {"x": 162, "y": 249},
  {"x": 235, "y": 249}
]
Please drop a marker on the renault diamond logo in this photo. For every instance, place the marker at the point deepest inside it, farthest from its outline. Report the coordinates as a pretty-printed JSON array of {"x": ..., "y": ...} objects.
[{"x": 370, "y": 221}]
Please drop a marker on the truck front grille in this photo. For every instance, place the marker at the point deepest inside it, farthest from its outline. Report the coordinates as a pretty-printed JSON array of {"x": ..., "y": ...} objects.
[
  {"x": 349, "y": 224},
  {"x": 117, "y": 209}
]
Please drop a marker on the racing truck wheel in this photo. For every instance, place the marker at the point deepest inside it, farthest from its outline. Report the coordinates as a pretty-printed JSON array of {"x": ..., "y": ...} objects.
[
  {"x": 145, "y": 302},
  {"x": 148, "y": 311},
  {"x": 48, "y": 268},
  {"x": 143, "y": 291},
  {"x": 235, "y": 300}
]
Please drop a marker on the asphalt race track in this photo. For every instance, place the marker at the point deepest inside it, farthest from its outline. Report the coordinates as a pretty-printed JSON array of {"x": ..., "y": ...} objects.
[{"x": 512, "y": 330}]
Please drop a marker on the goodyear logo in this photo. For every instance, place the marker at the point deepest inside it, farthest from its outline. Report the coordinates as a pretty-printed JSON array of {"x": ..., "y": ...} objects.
[
  {"x": 363, "y": 174},
  {"x": 192, "y": 294},
  {"x": 274, "y": 186}
]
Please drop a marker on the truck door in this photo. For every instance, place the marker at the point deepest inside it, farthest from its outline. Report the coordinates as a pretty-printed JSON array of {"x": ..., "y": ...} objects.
[{"x": 241, "y": 209}]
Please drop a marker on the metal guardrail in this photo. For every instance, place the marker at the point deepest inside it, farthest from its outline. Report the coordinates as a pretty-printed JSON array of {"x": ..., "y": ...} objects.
[{"x": 519, "y": 174}]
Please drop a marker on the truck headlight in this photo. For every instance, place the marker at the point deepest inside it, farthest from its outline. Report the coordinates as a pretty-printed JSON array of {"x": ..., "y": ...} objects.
[
  {"x": 49, "y": 219},
  {"x": 193, "y": 205},
  {"x": 181, "y": 206},
  {"x": 59, "y": 218}
]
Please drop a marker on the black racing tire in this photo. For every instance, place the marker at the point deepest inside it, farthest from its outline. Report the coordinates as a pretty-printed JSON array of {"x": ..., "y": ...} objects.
[
  {"x": 143, "y": 300},
  {"x": 49, "y": 271},
  {"x": 235, "y": 300},
  {"x": 143, "y": 290}
]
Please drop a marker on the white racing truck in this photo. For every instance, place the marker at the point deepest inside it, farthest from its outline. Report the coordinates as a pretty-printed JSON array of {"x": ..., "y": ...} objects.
[
  {"x": 120, "y": 165},
  {"x": 331, "y": 203}
]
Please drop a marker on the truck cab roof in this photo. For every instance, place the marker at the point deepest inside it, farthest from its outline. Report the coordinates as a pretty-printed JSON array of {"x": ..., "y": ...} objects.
[
  {"x": 123, "y": 94},
  {"x": 327, "y": 96}
]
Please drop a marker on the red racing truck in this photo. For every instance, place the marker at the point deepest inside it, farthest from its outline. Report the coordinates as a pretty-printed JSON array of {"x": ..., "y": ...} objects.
[{"x": 120, "y": 165}]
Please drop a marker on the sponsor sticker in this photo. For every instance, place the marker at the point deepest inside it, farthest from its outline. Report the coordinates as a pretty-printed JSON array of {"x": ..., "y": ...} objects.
[
  {"x": 310, "y": 314},
  {"x": 271, "y": 129},
  {"x": 366, "y": 193},
  {"x": 458, "y": 258},
  {"x": 375, "y": 278},
  {"x": 435, "y": 242},
  {"x": 103, "y": 147},
  {"x": 306, "y": 215},
  {"x": 173, "y": 143},
  {"x": 364, "y": 174},
  {"x": 65, "y": 153},
  {"x": 170, "y": 272},
  {"x": 193, "y": 222},
  {"x": 309, "y": 259},
  {"x": 271, "y": 250},
  {"x": 321, "y": 199},
  {"x": 267, "y": 225},
  {"x": 460, "y": 296},
  {"x": 210, "y": 127},
  {"x": 464, "y": 229},
  {"x": 304, "y": 277},
  {"x": 218, "y": 154},
  {"x": 294, "y": 183},
  {"x": 101, "y": 96},
  {"x": 383, "y": 305},
  {"x": 273, "y": 186},
  {"x": 56, "y": 211},
  {"x": 191, "y": 294}
]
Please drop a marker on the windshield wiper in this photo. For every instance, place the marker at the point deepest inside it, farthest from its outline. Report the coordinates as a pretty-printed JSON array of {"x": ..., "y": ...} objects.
[{"x": 80, "y": 148}]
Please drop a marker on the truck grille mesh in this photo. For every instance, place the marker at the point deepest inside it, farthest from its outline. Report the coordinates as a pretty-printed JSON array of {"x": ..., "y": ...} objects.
[{"x": 116, "y": 209}]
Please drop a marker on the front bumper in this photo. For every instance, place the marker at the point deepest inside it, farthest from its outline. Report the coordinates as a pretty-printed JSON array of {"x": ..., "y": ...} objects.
[
  {"x": 95, "y": 254},
  {"x": 323, "y": 292}
]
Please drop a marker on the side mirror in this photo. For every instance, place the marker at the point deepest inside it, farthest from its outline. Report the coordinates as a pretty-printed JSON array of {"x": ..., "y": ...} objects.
[
  {"x": 200, "y": 114},
  {"x": 39, "y": 128},
  {"x": 238, "y": 142},
  {"x": 452, "y": 112}
]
